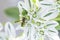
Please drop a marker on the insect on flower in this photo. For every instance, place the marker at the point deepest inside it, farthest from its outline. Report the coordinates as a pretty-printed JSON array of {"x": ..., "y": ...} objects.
[{"x": 23, "y": 21}]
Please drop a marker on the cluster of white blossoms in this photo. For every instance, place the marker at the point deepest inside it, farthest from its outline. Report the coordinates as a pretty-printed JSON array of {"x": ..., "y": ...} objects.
[
  {"x": 36, "y": 22},
  {"x": 36, "y": 18}
]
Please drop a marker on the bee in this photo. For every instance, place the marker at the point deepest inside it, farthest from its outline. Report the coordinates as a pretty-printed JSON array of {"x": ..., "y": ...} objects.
[{"x": 23, "y": 21}]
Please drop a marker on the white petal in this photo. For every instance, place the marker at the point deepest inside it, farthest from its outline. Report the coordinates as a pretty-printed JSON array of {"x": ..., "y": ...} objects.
[
  {"x": 2, "y": 36},
  {"x": 27, "y": 7},
  {"x": 56, "y": 37},
  {"x": 48, "y": 15},
  {"x": 51, "y": 28},
  {"x": 24, "y": 31},
  {"x": 9, "y": 29},
  {"x": 53, "y": 37},
  {"x": 33, "y": 30},
  {"x": 19, "y": 27},
  {"x": 46, "y": 37},
  {"x": 50, "y": 1},
  {"x": 48, "y": 9},
  {"x": 24, "y": 4},
  {"x": 11, "y": 38},
  {"x": 19, "y": 31},
  {"x": 51, "y": 24},
  {"x": 19, "y": 6},
  {"x": 1, "y": 27},
  {"x": 23, "y": 37}
]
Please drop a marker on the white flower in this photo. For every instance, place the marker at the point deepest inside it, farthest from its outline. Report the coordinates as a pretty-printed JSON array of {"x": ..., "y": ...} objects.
[
  {"x": 48, "y": 10},
  {"x": 47, "y": 29},
  {"x": 13, "y": 33},
  {"x": 10, "y": 31},
  {"x": 50, "y": 30},
  {"x": 9, "y": 28},
  {"x": 45, "y": 11},
  {"x": 28, "y": 5}
]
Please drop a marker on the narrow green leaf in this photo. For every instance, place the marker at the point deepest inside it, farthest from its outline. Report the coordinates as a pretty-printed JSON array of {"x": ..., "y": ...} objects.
[
  {"x": 12, "y": 12},
  {"x": 48, "y": 14}
]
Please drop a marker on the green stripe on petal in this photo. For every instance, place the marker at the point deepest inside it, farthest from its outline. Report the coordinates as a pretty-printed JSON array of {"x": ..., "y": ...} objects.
[
  {"x": 29, "y": 3},
  {"x": 51, "y": 24},
  {"x": 40, "y": 0},
  {"x": 51, "y": 31},
  {"x": 48, "y": 14},
  {"x": 47, "y": 4}
]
